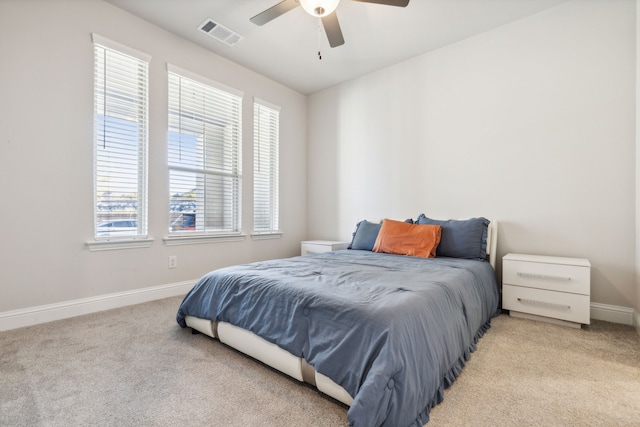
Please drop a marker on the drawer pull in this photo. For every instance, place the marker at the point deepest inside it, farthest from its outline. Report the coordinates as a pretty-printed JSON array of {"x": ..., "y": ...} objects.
[
  {"x": 544, "y": 304},
  {"x": 543, "y": 276}
]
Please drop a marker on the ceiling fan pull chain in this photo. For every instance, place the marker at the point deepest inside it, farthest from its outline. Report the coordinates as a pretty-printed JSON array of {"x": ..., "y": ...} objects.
[{"x": 319, "y": 38}]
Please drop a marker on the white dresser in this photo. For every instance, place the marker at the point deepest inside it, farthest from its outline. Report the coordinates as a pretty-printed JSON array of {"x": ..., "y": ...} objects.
[
  {"x": 552, "y": 289},
  {"x": 318, "y": 246}
]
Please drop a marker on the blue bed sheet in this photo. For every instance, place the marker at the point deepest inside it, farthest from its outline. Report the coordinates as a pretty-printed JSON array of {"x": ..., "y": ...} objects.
[{"x": 392, "y": 330}]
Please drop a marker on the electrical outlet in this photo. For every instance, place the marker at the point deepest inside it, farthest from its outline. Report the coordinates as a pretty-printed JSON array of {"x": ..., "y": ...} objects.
[{"x": 173, "y": 261}]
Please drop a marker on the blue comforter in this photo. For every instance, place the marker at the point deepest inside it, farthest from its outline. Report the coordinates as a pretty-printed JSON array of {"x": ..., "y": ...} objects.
[{"x": 392, "y": 330}]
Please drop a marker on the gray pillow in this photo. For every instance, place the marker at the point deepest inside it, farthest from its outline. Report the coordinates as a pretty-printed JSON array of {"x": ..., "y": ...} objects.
[
  {"x": 365, "y": 235},
  {"x": 461, "y": 238}
]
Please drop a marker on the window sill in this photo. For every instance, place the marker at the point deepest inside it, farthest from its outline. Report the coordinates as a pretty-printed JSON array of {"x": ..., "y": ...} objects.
[
  {"x": 266, "y": 236},
  {"x": 201, "y": 239},
  {"x": 117, "y": 244}
]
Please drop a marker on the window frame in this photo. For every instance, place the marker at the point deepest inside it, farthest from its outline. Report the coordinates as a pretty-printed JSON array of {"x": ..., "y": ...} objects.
[
  {"x": 204, "y": 234},
  {"x": 266, "y": 187},
  {"x": 106, "y": 53}
]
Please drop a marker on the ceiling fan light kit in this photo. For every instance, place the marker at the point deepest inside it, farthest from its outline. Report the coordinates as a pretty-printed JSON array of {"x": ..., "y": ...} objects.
[{"x": 319, "y": 8}]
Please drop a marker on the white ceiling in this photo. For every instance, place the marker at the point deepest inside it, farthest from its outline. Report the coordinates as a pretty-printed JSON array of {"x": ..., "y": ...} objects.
[{"x": 376, "y": 36}]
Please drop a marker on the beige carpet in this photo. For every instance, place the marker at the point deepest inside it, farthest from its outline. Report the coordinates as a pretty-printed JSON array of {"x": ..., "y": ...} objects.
[
  {"x": 135, "y": 367},
  {"x": 528, "y": 373}
]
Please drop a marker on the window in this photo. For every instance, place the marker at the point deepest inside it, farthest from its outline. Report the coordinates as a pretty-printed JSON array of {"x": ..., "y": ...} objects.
[
  {"x": 120, "y": 140},
  {"x": 204, "y": 155},
  {"x": 266, "y": 137}
]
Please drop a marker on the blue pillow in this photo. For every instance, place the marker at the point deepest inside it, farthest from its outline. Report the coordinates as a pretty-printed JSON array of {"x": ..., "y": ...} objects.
[
  {"x": 461, "y": 238},
  {"x": 365, "y": 236}
]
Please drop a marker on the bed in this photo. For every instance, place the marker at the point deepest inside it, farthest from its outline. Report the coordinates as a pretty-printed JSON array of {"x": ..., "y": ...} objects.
[{"x": 380, "y": 331}]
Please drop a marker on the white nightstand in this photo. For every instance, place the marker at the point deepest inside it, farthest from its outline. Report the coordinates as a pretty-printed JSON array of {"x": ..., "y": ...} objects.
[
  {"x": 309, "y": 247},
  {"x": 551, "y": 289}
]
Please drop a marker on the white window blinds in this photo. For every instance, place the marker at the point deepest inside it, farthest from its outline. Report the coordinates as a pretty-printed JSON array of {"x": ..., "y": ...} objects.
[
  {"x": 120, "y": 140},
  {"x": 266, "y": 122},
  {"x": 204, "y": 155}
]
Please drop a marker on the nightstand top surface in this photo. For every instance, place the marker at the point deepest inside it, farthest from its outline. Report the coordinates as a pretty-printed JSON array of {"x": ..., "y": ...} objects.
[
  {"x": 324, "y": 242},
  {"x": 582, "y": 262}
]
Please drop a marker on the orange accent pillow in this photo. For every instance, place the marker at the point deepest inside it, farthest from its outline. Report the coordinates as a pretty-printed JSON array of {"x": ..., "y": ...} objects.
[{"x": 403, "y": 238}]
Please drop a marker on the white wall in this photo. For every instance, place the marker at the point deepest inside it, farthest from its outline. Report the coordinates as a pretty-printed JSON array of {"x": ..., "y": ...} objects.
[
  {"x": 531, "y": 124},
  {"x": 46, "y": 113}
]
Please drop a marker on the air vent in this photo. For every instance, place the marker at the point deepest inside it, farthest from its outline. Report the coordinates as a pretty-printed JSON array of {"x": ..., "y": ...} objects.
[{"x": 220, "y": 32}]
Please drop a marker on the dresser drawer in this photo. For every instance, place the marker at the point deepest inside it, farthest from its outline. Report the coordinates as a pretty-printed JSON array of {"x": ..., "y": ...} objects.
[
  {"x": 557, "y": 305},
  {"x": 574, "y": 279}
]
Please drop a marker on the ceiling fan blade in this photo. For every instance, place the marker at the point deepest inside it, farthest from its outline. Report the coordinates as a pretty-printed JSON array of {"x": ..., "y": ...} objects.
[
  {"x": 399, "y": 3},
  {"x": 274, "y": 11},
  {"x": 332, "y": 28}
]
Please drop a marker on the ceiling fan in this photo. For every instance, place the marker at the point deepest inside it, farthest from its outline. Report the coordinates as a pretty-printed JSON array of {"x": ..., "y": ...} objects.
[{"x": 323, "y": 9}]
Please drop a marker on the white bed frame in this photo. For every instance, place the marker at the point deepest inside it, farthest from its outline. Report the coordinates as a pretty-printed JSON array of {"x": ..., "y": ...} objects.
[{"x": 274, "y": 356}]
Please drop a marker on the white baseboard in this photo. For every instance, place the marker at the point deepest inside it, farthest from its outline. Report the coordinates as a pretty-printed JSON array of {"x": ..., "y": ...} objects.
[
  {"x": 63, "y": 310},
  {"x": 612, "y": 313}
]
